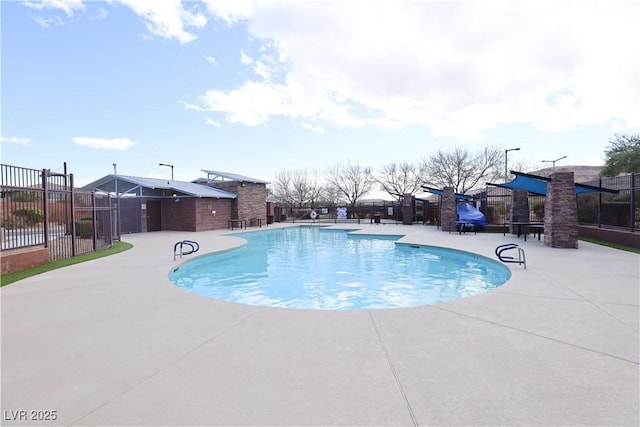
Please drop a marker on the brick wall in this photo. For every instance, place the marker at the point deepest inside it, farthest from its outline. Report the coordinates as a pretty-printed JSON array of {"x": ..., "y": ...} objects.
[
  {"x": 561, "y": 212},
  {"x": 448, "y": 210},
  {"x": 195, "y": 214},
  {"x": 251, "y": 201},
  {"x": 206, "y": 220},
  {"x": 21, "y": 259},
  {"x": 179, "y": 216}
]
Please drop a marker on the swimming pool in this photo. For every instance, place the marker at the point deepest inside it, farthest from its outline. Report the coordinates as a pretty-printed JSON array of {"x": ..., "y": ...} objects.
[{"x": 329, "y": 269}]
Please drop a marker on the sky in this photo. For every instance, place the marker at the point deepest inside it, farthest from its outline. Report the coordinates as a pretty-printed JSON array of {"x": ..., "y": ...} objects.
[{"x": 259, "y": 87}]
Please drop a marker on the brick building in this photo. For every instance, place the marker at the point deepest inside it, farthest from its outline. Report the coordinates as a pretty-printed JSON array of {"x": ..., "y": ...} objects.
[
  {"x": 150, "y": 204},
  {"x": 251, "y": 201}
]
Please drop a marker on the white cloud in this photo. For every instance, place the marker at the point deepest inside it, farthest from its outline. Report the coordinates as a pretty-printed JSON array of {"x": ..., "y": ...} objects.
[
  {"x": 212, "y": 122},
  {"x": 230, "y": 11},
  {"x": 48, "y": 22},
  {"x": 262, "y": 70},
  {"x": 459, "y": 68},
  {"x": 121, "y": 144},
  {"x": 167, "y": 18},
  {"x": 211, "y": 60},
  {"x": 312, "y": 127},
  {"x": 99, "y": 14},
  {"x": 245, "y": 59},
  {"x": 193, "y": 107},
  {"x": 15, "y": 140},
  {"x": 254, "y": 103},
  {"x": 67, "y": 6}
]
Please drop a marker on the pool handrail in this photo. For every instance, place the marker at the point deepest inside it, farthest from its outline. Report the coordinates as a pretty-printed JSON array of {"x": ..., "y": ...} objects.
[
  {"x": 521, "y": 259},
  {"x": 194, "y": 247}
]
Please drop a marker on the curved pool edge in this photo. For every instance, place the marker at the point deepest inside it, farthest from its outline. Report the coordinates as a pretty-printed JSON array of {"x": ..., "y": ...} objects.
[
  {"x": 470, "y": 253},
  {"x": 470, "y": 258},
  {"x": 186, "y": 258}
]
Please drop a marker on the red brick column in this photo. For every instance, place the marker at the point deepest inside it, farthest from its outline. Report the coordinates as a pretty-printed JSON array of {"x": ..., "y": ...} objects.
[
  {"x": 407, "y": 209},
  {"x": 561, "y": 212},
  {"x": 448, "y": 210},
  {"x": 519, "y": 207}
]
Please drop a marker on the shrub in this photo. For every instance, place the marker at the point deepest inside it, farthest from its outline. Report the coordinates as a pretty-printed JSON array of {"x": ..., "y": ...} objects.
[
  {"x": 84, "y": 228},
  {"x": 27, "y": 196},
  {"x": 30, "y": 215}
]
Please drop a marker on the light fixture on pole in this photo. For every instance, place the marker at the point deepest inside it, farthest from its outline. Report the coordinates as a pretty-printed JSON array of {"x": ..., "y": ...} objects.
[
  {"x": 554, "y": 161},
  {"x": 506, "y": 152},
  {"x": 171, "y": 166}
]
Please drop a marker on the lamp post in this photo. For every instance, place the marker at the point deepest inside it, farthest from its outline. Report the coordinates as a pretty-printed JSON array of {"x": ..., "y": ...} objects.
[
  {"x": 554, "y": 161},
  {"x": 171, "y": 166},
  {"x": 506, "y": 152}
]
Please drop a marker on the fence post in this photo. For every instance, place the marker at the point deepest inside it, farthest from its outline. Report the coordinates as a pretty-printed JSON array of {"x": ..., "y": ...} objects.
[
  {"x": 74, "y": 250},
  {"x": 633, "y": 201},
  {"x": 94, "y": 222},
  {"x": 599, "y": 202},
  {"x": 45, "y": 206}
]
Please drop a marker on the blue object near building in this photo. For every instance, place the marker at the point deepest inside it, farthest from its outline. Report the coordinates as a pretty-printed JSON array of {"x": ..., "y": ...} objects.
[{"x": 469, "y": 213}]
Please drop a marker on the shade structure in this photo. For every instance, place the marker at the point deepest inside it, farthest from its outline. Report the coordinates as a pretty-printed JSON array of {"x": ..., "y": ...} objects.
[
  {"x": 441, "y": 192},
  {"x": 535, "y": 184}
]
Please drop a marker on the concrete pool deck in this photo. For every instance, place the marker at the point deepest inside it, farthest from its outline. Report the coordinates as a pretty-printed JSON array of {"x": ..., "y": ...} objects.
[{"x": 113, "y": 342}]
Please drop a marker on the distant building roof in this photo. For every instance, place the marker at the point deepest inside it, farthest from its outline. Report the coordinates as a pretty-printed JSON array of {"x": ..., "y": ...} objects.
[
  {"x": 580, "y": 173},
  {"x": 128, "y": 184},
  {"x": 225, "y": 176}
]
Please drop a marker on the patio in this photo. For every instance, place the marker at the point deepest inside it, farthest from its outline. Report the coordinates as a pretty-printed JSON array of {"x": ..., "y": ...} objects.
[{"x": 113, "y": 342}]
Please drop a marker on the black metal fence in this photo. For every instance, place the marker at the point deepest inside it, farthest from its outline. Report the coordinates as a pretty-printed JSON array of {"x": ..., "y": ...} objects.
[
  {"x": 423, "y": 211},
  {"x": 40, "y": 208},
  {"x": 620, "y": 211}
]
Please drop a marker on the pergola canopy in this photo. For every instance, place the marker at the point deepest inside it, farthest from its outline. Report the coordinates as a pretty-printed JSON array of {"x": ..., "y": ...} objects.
[
  {"x": 441, "y": 192},
  {"x": 535, "y": 184}
]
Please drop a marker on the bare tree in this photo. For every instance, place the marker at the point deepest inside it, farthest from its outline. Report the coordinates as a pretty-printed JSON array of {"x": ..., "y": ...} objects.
[
  {"x": 296, "y": 187},
  {"x": 332, "y": 196},
  {"x": 399, "y": 178},
  {"x": 306, "y": 188},
  {"x": 462, "y": 169},
  {"x": 281, "y": 187},
  {"x": 351, "y": 179},
  {"x": 300, "y": 187}
]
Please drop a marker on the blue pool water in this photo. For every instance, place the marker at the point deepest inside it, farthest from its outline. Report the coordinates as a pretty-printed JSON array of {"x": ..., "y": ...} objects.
[{"x": 315, "y": 268}]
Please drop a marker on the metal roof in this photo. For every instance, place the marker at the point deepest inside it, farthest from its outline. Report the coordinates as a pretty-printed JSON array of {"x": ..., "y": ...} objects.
[
  {"x": 107, "y": 183},
  {"x": 222, "y": 176}
]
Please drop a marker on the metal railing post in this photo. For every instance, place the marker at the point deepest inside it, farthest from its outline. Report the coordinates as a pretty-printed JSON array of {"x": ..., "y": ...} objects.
[
  {"x": 633, "y": 201},
  {"x": 45, "y": 207},
  {"x": 74, "y": 249}
]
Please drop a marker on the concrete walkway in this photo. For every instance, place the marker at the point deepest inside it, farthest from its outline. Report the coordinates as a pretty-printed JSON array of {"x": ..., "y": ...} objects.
[{"x": 113, "y": 342}]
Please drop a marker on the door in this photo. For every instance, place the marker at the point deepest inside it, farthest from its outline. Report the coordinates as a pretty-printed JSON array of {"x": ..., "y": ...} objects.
[{"x": 154, "y": 215}]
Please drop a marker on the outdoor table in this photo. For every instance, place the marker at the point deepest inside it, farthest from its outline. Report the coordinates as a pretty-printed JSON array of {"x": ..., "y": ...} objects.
[
  {"x": 469, "y": 224},
  {"x": 524, "y": 227},
  {"x": 241, "y": 223}
]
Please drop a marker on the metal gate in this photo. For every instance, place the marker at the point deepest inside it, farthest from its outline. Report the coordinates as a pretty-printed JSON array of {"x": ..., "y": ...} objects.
[{"x": 40, "y": 208}]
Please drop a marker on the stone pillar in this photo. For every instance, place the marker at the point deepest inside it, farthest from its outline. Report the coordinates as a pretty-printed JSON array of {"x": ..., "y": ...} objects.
[
  {"x": 519, "y": 207},
  {"x": 407, "y": 209},
  {"x": 448, "y": 210},
  {"x": 561, "y": 212}
]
